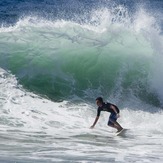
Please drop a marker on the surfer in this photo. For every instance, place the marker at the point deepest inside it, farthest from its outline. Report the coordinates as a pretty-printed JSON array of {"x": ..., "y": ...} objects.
[{"x": 113, "y": 109}]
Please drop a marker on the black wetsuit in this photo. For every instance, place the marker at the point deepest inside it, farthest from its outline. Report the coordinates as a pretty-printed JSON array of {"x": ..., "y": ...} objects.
[{"x": 107, "y": 107}]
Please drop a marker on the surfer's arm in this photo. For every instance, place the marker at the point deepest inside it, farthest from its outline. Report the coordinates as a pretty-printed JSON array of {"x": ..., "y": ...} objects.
[
  {"x": 115, "y": 110},
  {"x": 96, "y": 119}
]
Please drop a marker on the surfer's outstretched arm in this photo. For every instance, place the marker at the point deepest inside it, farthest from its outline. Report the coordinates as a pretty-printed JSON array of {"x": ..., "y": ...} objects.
[{"x": 96, "y": 119}]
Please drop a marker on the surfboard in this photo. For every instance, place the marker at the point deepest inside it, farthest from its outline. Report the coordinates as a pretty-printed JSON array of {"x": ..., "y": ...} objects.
[{"x": 121, "y": 133}]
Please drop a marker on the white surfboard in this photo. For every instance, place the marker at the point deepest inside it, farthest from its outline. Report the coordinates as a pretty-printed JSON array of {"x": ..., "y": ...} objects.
[{"x": 121, "y": 133}]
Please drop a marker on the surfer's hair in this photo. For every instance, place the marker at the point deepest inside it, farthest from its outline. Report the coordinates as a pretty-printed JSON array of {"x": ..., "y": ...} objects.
[{"x": 99, "y": 99}]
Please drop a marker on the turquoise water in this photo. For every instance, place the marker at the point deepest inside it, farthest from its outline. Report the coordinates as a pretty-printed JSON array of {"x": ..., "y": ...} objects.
[{"x": 60, "y": 59}]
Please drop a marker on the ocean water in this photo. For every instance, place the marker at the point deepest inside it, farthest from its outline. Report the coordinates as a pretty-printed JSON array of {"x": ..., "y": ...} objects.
[{"x": 56, "y": 57}]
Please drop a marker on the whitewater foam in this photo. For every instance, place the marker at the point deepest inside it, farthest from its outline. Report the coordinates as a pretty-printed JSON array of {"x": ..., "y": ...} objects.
[{"x": 41, "y": 130}]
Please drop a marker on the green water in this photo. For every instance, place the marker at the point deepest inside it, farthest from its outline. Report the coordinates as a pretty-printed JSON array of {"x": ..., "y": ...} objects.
[{"x": 63, "y": 61}]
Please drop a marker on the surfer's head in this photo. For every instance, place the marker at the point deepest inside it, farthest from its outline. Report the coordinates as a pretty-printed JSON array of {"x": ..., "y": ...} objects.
[{"x": 99, "y": 101}]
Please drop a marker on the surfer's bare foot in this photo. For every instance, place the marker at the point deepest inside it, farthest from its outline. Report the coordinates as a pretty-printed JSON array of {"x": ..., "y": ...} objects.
[{"x": 120, "y": 129}]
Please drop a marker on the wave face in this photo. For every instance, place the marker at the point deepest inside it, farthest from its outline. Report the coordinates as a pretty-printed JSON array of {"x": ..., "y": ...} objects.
[{"x": 113, "y": 54}]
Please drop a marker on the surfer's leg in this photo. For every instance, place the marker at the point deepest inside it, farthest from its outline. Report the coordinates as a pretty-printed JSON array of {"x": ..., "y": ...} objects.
[
  {"x": 118, "y": 126},
  {"x": 113, "y": 123}
]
